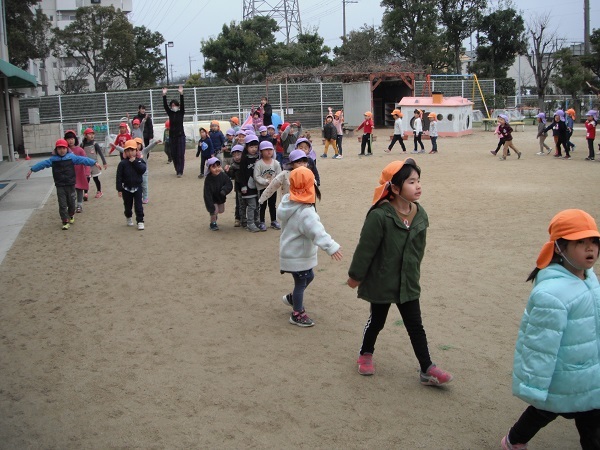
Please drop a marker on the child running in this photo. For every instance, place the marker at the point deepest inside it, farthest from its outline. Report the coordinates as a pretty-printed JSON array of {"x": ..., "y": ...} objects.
[
  {"x": 560, "y": 134},
  {"x": 541, "y": 117},
  {"x": 217, "y": 137},
  {"x": 265, "y": 169},
  {"x": 398, "y": 131},
  {"x": 590, "y": 132},
  {"x": 92, "y": 150},
  {"x": 216, "y": 187},
  {"x": 433, "y": 132},
  {"x": 205, "y": 150},
  {"x": 570, "y": 123},
  {"x": 386, "y": 266},
  {"x": 506, "y": 133},
  {"x": 302, "y": 232},
  {"x": 367, "y": 127},
  {"x": 417, "y": 126},
  {"x": 130, "y": 173},
  {"x": 557, "y": 355},
  {"x": 63, "y": 164},
  {"x": 82, "y": 172}
]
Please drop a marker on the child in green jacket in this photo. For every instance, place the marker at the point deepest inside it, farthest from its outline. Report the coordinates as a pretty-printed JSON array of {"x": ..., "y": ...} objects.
[{"x": 387, "y": 263}]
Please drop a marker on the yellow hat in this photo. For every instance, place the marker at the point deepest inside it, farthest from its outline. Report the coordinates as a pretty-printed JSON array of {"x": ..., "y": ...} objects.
[
  {"x": 385, "y": 179},
  {"x": 570, "y": 224},
  {"x": 302, "y": 185}
]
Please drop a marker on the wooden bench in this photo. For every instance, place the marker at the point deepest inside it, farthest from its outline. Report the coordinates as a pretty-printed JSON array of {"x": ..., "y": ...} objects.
[{"x": 517, "y": 124}]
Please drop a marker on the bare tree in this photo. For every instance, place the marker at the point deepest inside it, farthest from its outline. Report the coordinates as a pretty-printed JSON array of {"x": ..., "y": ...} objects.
[{"x": 542, "y": 48}]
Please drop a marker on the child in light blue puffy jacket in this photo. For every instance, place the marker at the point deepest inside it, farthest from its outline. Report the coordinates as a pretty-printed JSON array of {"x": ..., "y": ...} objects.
[{"x": 557, "y": 362}]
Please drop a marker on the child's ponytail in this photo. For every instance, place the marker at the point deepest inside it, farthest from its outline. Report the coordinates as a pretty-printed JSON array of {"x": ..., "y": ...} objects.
[{"x": 556, "y": 258}]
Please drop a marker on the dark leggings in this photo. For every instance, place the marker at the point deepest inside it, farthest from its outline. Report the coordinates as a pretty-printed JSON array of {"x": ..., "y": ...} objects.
[
  {"x": 500, "y": 145},
  {"x": 96, "y": 182},
  {"x": 338, "y": 141},
  {"x": 533, "y": 420},
  {"x": 558, "y": 141},
  {"x": 397, "y": 138},
  {"x": 133, "y": 200},
  {"x": 301, "y": 282},
  {"x": 411, "y": 315},
  {"x": 417, "y": 139},
  {"x": 271, "y": 201},
  {"x": 590, "y": 143},
  {"x": 366, "y": 140}
]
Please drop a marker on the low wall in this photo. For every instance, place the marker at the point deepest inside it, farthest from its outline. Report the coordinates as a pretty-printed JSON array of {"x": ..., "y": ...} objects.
[{"x": 40, "y": 138}]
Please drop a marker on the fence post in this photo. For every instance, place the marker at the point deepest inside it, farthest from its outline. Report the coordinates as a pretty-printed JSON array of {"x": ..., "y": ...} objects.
[
  {"x": 151, "y": 104},
  {"x": 195, "y": 102},
  {"x": 281, "y": 104},
  {"x": 60, "y": 113},
  {"x": 107, "y": 117},
  {"x": 321, "y": 89},
  {"x": 239, "y": 104},
  {"x": 462, "y": 88}
]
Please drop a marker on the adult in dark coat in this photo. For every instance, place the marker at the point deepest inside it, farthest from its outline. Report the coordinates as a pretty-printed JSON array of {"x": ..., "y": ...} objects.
[
  {"x": 148, "y": 125},
  {"x": 267, "y": 112},
  {"x": 176, "y": 112}
]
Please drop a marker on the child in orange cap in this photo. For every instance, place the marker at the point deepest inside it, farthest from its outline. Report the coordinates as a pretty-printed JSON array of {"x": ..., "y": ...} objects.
[
  {"x": 302, "y": 232},
  {"x": 433, "y": 132},
  {"x": 557, "y": 355},
  {"x": 130, "y": 173},
  {"x": 570, "y": 122},
  {"x": 386, "y": 265},
  {"x": 417, "y": 126},
  {"x": 367, "y": 126},
  {"x": 398, "y": 131}
]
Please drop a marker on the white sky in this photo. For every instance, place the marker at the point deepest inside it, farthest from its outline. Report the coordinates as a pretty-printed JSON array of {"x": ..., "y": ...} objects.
[{"x": 187, "y": 22}]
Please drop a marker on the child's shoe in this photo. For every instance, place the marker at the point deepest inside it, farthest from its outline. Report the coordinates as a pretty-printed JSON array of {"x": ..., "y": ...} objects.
[
  {"x": 287, "y": 300},
  {"x": 129, "y": 221},
  {"x": 435, "y": 376},
  {"x": 66, "y": 225},
  {"x": 71, "y": 220},
  {"x": 99, "y": 194},
  {"x": 85, "y": 197},
  {"x": 262, "y": 226},
  {"x": 275, "y": 225},
  {"x": 324, "y": 155},
  {"x": 252, "y": 228},
  {"x": 79, "y": 209},
  {"x": 340, "y": 156},
  {"x": 140, "y": 226},
  {"x": 214, "y": 226},
  {"x": 502, "y": 158},
  {"x": 365, "y": 364},
  {"x": 506, "y": 445},
  {"x": 237, "y": 223},
  {"x": 493, "y": 152},
  {"x": 301, "y": 319}
]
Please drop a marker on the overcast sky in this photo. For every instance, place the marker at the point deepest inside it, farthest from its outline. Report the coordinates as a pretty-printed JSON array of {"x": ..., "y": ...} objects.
[{"x": 187, "y": 22}]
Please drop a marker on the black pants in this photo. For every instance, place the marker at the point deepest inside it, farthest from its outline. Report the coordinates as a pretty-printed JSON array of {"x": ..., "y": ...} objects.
[
  {"x": 500, "y": 145},
  {"x": 66, "y": 202},
  {"x": 590, "y": 143},
  {"x": 366, "y": 140},
  {"x": 203, "y": 159},
  {"x": 134, "y": 199},
  {"x": 96, "y": 182},
  {"x": 338, "y": 141},
  {"x": 397, "y": 138},
  {"x": 533, "y": 420},
  {"x": 433, "y": 143},
  {"x": 178, "y": 153},
  {"x": 271, "y": 201},
  {"x": 417, "y": 139},
  {"x": 411, "y": 315}
]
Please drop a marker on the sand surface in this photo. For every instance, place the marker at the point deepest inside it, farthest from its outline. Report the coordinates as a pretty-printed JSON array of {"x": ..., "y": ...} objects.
[{"x": 176, "y": 337}]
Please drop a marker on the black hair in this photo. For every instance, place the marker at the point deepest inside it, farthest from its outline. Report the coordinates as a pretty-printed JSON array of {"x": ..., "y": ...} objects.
[
  {"x": 318, "y": 192},
  {"x": 398, "y": 180},
  {"x": 141, "y": 106},
  {"x": 174, "y": 102},
  {"x": 70, "y": 134},
  {"x": 256, "y": 112},
  {"x": 203, "y": 129}
]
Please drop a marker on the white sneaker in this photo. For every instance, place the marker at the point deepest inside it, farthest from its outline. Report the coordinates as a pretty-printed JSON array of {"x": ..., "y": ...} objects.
[
  {"x": 340, "y": 156},
  {"x": 540, "y": 153},
  {"x": 129, "y": 221},
  {"x": 140, "y": 226}
]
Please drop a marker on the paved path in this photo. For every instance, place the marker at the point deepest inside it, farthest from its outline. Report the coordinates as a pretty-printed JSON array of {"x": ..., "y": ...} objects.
[{"x": 20, "y": 198}]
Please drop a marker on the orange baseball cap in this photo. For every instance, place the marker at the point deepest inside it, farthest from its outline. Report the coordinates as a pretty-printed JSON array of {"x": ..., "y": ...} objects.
[
  {"x": 139, "y": 141},
  {"x": 570, "y": 224},
  {"x": 386, "y": 178},
  {"x": 368, "y": 114},
  {"x": 235, "y": 120},
  {"x": 432, "y": 115},
  {"x": 302, "y": 185},
  {"x": 397, "y": 112},
  {"x": 131, "y": 143}
]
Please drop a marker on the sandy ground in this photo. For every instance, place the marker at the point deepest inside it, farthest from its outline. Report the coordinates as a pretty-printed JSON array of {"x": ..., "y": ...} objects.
[{"x": 176, "y": 337}]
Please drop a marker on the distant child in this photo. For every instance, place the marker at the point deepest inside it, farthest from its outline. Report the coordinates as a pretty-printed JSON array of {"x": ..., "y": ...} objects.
[
  {"x": 398, "y": 131},
  {"x": 240, "y": 137},
  {"x": 205, "y": 150},
  {"x": 265, "y": 169},
  {"x": 506, "y": 133},
  {"x": 144, "y": 153},
  {"x": 216, "y": 187},
  {"x": 500, "y": 141},
  {"x": 302, "y": 232},
  {"x": 541, "y": 117},
  {"x": 82, "y": 172},
  {"x": 433, "y": 132},
  {"x": 590, "y": 132},
  {"x": 298, "y": 158},
  {"x": 92, "y": 150},
  {"x": 257, "y": 121},
  {"x": 570, "y": 123},
  {"x": 176, "y": 112},
  {"x": 122, "y": 137},
  {"x": 137, "y": 128},
  {"x": 290, "y": 133},
  {"x": 229, "y": 143},
  {"x": 276, "y": 136},
  {"x": 386, "y": 265},
  {"x": 263, "y": 134},
  {"x": 63, "y": 164},
  {"x": 305, "y": 145},
  {"x": 249, "y": 203},
  {"x": 235, "y": 123},
  {"x": 129, "y": 183},
  {"x": 338, "y": 121},
  {"x": 167, "y": 141},
  {"x": 417, "y": 127},
  {"x": 233, "y": 171},
  {"x": 217, "y": 137},
  {"x": 330, "y": 135},
  {"x": 367, "y": 127},
  {"x": 556, "y": 365},
  {"x": 560, "y": 134}
]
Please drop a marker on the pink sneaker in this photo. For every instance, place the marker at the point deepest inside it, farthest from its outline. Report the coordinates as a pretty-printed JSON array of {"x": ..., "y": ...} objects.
[
  {"x": 365, "y": 364},
  {"x": 506, "y": 445},
  {"x": 435, "y": 376},
  {"x": 99, "y": 194}
]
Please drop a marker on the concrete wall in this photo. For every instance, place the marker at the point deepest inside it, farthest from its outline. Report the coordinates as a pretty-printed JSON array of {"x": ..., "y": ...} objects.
[{"x": 41, "y": 138}]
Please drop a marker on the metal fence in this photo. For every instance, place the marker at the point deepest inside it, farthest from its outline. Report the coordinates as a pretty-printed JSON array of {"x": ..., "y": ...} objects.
[
  {"x": 304, "y": 102},
  {"x": 466, "y": 88}
]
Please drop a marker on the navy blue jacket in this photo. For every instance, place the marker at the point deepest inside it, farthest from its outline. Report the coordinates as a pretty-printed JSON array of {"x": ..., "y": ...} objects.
[{"x": 129, "y": 174}]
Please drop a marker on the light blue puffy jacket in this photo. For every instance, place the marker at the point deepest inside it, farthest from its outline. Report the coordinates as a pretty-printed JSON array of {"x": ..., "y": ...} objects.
[{"x": 557, "y": 364}]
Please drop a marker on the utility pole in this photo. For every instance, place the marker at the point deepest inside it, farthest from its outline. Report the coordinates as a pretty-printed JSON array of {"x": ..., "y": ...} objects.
[
  {"x": 191, "y": 64},
  {"x": 344, "y": 16},
  {"x": 586, "y": 27},
  {"x": 171, "y": 72}
]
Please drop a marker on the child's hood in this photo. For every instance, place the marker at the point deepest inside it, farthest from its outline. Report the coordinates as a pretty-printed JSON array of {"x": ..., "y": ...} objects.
[{"x": 287, "y": 208}]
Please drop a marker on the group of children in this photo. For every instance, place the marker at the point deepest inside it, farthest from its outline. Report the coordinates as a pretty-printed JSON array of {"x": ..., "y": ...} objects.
[{"x": 417, "y": 126}]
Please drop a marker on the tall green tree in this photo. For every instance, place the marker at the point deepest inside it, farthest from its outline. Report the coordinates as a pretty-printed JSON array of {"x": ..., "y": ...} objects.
[
  {"x": 243, "y": 52},
  {"x": 28, "y": 32},
  {"x": 412, "y": 31},
  {"x": 310, "y": 50},
  {"x": 592, "y": 61},
  {"x": 501, "y": 37},
  {"x": 367, "y": 44},
  {"x": 570, "y": 75},
  {"x": 460, "y": 19},
  {"x": 87, "y": 38}
]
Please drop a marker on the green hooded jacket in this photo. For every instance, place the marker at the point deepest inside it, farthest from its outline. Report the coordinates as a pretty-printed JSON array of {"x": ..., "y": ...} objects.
[{"x": 387, "y": 259}]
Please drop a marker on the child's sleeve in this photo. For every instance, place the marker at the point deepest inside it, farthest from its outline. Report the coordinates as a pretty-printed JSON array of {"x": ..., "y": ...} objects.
[
  {"x": 371, "y": 237},
  {"x": 83, "y": 160},
  {"x": 45, "y": 164},
  {"x": 139, "y": 165},
  {"x": 227, "y": 186},
  {"x": 312, "y": 228},
  {"x": 361, "y": 125},
  {"x": 101, "y": 153},
  {"x": 271, "y": 189},
  {"x": 199, "y": 149},
  {"x": 208, "y": 198},
  {"x": 149, "y": 148},
  {"x": 120, "y": 177},
  {"x": 257, "y": 177}
]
